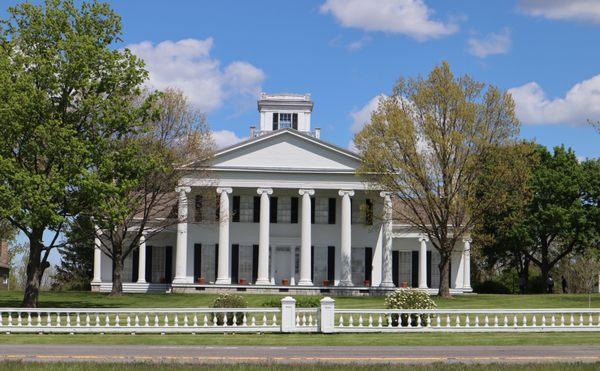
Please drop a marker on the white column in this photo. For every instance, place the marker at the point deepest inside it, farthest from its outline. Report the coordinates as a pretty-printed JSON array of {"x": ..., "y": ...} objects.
[
  {"x": 182, "y": 240},
  {"x": 346, "y": 239},
  {"x": 306, "y": 238},
  {"x": 423, "y": 263},
  {"x": 97, "y": 257},
  {"x": 293, "y": 265},
  {"x": 142, "y": 260},
  {"x": 223, "y": 265},
  {"x": 263, "y": 237},
  {"x": 387, "y": 280},
  {"x": 467, "y": 265}
]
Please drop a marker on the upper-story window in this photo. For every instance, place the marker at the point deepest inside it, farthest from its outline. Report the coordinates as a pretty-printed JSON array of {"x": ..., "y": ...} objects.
[{"x": 285, "y": 121}]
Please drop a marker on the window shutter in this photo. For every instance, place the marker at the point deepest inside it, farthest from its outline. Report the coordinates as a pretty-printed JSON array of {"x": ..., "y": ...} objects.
[
  {"x": 236, "y": 209},
  {"x": 368, "y": 263},
  {"x": 197, "y": 261},
  {"x": 217, "y": 209},
  {"x": 395, "y": 267},
  {"x": 235, "y": 263},
  {"x": 312, "y": 210},
  {"x": 135, "y": 265},
  {"x": 169, "y": 264},
  {"x": 429, "y": 269},
  {"x": 256, "y": 210},
  {"x": 331, "y": 264},
  {"x": 149, "y": 264},
  {"x": 275, "y": 121},
  {"x": 369, "y": 212},
  {"x": 331, "y": 211},
  {"x": 254, "y": 263},
  {"x": 415, "y": 269},
  {"x": 273, "y": 211},
  {"x": 295, "y": 121},
  {"x": 198, "y": 208},
  {"x": 312, "y": 263},
  {"x": 216, "y": 261},
  {"x": 294, "y": 210}
]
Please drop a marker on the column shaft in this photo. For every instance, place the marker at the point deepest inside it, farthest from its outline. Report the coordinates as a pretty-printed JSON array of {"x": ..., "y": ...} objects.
[
  {"x": 182, "y": 240},
  {"x": 263, "y": 237},
  {"x": 223, "y": 265},
  {"x": 467, "y": 265},
  {"x": 346, "y": 239},
  {"x": 97, "y": 258},
  {"x": 387, "y": 275},
  {"x": 306, "y": 239},
  {"x": 142, "y": 260},
  {"x": 423, "y": 264}
]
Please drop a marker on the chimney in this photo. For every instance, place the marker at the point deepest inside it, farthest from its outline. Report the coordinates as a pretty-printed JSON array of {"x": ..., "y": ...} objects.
[
  {"x": 252, "y": 131},
  {"x": 318, "y": 133}
]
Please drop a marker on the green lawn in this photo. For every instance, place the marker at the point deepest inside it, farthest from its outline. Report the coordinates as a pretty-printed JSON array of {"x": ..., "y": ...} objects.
[
  {"x": 90, "y": 299},
  {"x": 24, "y": 366}
]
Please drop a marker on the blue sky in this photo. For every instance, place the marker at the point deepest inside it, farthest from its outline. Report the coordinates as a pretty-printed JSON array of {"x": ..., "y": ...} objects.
[{"x": 347, "y": 52}]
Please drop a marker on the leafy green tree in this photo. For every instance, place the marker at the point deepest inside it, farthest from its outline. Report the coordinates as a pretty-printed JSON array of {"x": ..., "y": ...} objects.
[
  {"x": 76, "y": 256},
  {"x": 66, "y": 96},
  {"x": 425, "y": 143}
]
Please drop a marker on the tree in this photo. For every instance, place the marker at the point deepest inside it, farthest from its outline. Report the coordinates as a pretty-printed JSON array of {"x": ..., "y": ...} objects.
[
  {"x": 143, "y": 177},
  {"x": 425, "y": 142},
  {"x": 66, "y": 93},
  {"x": 77, "y": 256}
]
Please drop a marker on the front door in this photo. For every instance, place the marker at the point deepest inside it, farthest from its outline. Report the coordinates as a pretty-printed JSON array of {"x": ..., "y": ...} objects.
[{"x": 282, "y": 264}]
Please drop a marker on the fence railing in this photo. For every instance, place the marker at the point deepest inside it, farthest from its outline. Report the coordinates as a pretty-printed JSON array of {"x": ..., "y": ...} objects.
[{"x": 289, "y": 318}]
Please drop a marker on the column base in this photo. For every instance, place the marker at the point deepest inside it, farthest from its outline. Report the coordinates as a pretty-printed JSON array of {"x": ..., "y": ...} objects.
[
  {"x": 346, "y": 283},
  {"x": 263, "y": 281},
  {"x": 467, "y": 288},
  {"x": 423, "y": 287},
  {"x": 178, "y": 280},
  {"x": 223, "y": 281},
  {"x": 96, "y": 281},
  {"x": 387, "y": 284},
  {"x": 305, "y": 283},
  {"x": 141, "y": 281}
]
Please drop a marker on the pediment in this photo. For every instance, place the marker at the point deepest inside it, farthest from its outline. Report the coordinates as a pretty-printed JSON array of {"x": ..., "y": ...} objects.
[{"x": 286, "y": 150}]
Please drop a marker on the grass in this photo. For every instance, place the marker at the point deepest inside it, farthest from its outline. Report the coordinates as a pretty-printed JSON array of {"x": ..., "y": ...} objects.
[
  {"x": 25, "y": 366},
  {"x": 101, "y": 300}
]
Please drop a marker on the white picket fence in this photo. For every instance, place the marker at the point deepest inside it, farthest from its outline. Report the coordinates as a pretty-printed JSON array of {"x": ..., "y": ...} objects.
[{"x": 289, "y": 318}]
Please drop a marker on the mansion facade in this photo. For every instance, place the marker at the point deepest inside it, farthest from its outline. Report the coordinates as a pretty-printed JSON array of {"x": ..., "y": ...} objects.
[{"x": 292, "y": 217}]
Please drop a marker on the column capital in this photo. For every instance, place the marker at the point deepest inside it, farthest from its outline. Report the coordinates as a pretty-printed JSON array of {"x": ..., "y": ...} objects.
[
  {"x": 183, "y": 189},
  {"x": 423, "y": 239},
  {"x": 310, "y": 192},
  {"x": 268, "y": 191},
  {"x": 385, "y": 194},
  {"x": 221, "y": 190},
  {"x": 346, "y": 192},
  {"x": 467, "y": 240}
]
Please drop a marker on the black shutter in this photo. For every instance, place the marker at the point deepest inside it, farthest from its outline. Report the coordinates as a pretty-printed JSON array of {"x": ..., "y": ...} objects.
[
  {"x": 275, "y": 121},
  {"x": 331, "y": 211},
  {"x": 395, "y": 267},
  {"x": 295, "y": 121},
  {"x": 429, "y": 269},
  {"x": 198, "y": 208},
  {"x": 368, "y": 263},
  {"x": 331, "y": 264},
  {"x": 369, "y": 212},
  {"x": 294, "y": 210},
  {"x": 450, "y": 274},
  {"x": 415, "y": 269},
  {"x": 312, "y": 263},
  {"x": 236, "y": 209},
  {"x": 254, "y": 263},
  {"x": 135, "y": 259},
  {"x": 312, "y": 210},
  {"x": 273, "y": 210},
  {"x": 256, "y": 210},
  {"x": 149, "y": 264},
  {"x": 216, "y": 261},
  {"x": 169, "y": 264},
  {"x": 235, "y": 263},
  {"x": 197, "y": 261},
  {"x": 217, "y": 209}
]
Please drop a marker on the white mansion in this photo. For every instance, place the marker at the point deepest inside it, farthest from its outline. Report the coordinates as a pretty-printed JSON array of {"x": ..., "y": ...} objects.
[{"x": 293, "y": 217}]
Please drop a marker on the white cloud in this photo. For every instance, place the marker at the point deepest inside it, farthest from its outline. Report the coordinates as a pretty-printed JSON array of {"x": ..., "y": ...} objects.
[
  {"x": 225, "y": 138},
  {"x": 408, "y": 17},
  {"x": 493, "y": 43},
  {"x": 187, "y": 65},
  {"x": 363, "y": 115},
  {"x": 359, "y": 44},
  {"x": 579, "y": 10},
  {"x": 580, "y": 103}
]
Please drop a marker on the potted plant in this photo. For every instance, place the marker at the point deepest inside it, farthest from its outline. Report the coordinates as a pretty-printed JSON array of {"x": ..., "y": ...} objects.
[
  {"x": 367, "y": 283},
  {"x": 325, "y": 283},
  {"x": 242, "y": 281},
  {"x": 285, "y": 282},
  {"x": 404, "y": 284},
  {"x": 201, "y": 280}
]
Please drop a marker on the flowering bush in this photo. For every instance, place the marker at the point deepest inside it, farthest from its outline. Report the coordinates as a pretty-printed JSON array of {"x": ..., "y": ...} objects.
[
  {"x": 410, "y": 299},
  {"x": 229, "y": 301}
]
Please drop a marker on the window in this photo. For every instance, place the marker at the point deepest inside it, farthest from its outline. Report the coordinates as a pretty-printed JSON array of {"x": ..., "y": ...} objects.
[
  {"x": 285, "y": 120},
  {"x": 321, "y": 210},
  {"x": 246, "y": 209},
  {"x": 198, "y": 209},
  {"x": 284, "y": 210},
  {"x": 356, "y": 212}
]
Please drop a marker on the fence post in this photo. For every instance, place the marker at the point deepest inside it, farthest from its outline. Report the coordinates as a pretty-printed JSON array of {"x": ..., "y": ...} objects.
[
  {"x": 327, "y": 314},
  {"x": 288, "y": 314}
]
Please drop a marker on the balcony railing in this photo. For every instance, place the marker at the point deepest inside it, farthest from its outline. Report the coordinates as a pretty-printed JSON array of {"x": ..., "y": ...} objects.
[{"x": 257, "y": 133}]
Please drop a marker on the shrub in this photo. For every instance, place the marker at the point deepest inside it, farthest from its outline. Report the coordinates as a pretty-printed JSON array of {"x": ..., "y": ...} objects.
[
  {"x": 491, "y": 287},
  {"x": 229, "y": 301},
  {"x": 301, "y": 302},
  {"x": 410, "y": 299}
]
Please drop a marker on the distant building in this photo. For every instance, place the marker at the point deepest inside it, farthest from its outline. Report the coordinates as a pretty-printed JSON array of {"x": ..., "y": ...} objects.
[
  {"x": 3, "y": 264},
  {"x": 293, "y": 217}
]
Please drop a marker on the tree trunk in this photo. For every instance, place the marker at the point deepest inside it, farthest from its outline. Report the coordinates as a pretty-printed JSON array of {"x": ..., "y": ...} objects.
[
  {"x": 117, "y": 274},
  {"x": 35, "y": 270},
  {"x": 444, "y": 288}
]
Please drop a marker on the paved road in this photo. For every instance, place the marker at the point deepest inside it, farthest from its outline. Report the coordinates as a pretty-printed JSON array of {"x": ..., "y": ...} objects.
[{"x": 293, "y": 355}]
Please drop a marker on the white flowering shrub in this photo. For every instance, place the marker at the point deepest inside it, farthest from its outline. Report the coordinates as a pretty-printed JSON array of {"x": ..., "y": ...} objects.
[{"x": 410, "y": 299}]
